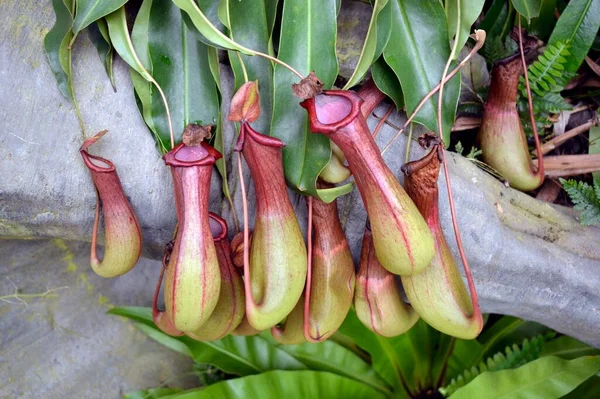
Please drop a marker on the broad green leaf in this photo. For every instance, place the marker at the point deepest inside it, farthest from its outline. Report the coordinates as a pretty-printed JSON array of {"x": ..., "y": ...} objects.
[
  {"x": 387, "y": 81},
  {"x": 417, "y": 52},
  {"x": 461, "y": 15},
  {"x": 307, "y": 43},
  {"x": 207, "y": 28},
  {"x": 595, "y": 147},
  {"x": 368, "y": 53},
  {"x": 334, "y": 358},
  {"x": 210, "y": 9},
  {"x": 89, "y": 11},
  {"x": 568, "y": 348},
  {"x": 232, "y": 354},
  {"x": 405, "y": 362},
  {"x": 577, "y": 26},
  {"x": 542, "y": 25},
  {"x": 250, "y": 28},
  {"x": 285, "y": 384},
  {"x": 119, "y": 36},
  {"x": 527, "y": 8},
  {"x": 590, "y": 389},
  {"x": 143, "y": 88},
  {"x": 546, "y": 378},
  {"x": 98, "y": 33},
  {"x": 153, "y": 393},
  {"x": 56, "y": 44},
  {"x": 180, "y": 66}
]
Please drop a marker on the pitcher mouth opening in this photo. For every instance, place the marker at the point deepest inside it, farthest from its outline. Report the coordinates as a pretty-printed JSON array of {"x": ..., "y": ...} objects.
[
  {"x": 185, "y": 156},
  {"x": 332, "y": 110}
]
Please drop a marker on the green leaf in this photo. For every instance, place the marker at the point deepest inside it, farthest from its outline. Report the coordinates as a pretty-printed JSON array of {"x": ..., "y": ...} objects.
[
  {"x": 56, "y": 44},
  {"x": 143, "y": 88},
  {"x": 595, "y": 147},
  {"x": 180, "y": 66},
  {"x": 119, "y": 37},
  {"x": 232, "y": 354},
  {"x": 98, "y": 33},
  {"x": 568, "y": 348},
  {"x": 461, "y": 15},
  {"x": 250, "y": 27},
  {"x": 417, "y": 51},
  {"x": 549, "y": 377},
  {"x": 405, "y": 362},
  {"x": 285, "y": 384},
  {"x": 511, "y": 357},
  {"x": 542, "y": 25},
  {"x": 387, "y": 81},
  {"x": 210, "y": 9},
  {"x": 334, "y": 358},
  {"x": 527, "y": 8},
  {"x": 590, "y": 389},
  {"x": 89, "y": 11},
  {"x": 577, "y": 26},
  {"x": 307, "y": 42},
  {"x": 368, "y": 53},
  {"x": 207, "y": 28},
  {"x": 153, "y": 393}
]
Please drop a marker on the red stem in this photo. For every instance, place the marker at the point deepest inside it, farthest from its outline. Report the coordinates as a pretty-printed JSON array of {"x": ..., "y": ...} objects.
[{"x": 538, "y": 146}]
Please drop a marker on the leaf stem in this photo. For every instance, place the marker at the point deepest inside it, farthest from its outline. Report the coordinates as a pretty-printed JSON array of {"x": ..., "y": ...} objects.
[
  {"x": 164, "y": 99},
  {"x": 382, "y": 121},
  {"x": 538, "y": 147},
  {"x": 72, "y": 90},
  {"x": 408, "y": 143},
  {"x": 278, "y": 61},
  {"x": 243, "y": 66}
]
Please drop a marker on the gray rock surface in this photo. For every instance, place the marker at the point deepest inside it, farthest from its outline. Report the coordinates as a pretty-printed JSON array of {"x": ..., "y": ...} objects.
[
  {"x": 529, "y": 259},
  {"x": 62, "y": 344}
]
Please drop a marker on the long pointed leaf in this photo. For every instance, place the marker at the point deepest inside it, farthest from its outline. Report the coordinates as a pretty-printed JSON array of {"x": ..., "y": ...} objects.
[
  {"x": 527, "y": 8},
  {"x": 98, "y": 33},
  {"x": 417, "y": 51},
  {"x": 307, "y": 43},
  {"x": 577, "y": 26},
  {"x": 548, "y": 378},
  {"x": 89, "y": 11},
  {"x": 334, "y": 358},
  {"x": 250, "y": 27},
  {"x": 285, "y": 384},
  {"x": 56, "y": 44},
  {"x": 232, "y": 354},
  {"x": 119, "y": 36},
  {"x": 207, "y": 28},
  {"x": 368, "y": 53},
  {"x": 461, "y": 15},
  {"x": 180, "y": 66}
]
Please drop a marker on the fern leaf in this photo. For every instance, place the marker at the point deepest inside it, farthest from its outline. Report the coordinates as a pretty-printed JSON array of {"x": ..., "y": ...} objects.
[
  {"x": 547, "y": 72},
  {"x": 512, "y": 357},
  {"x": 585, "y": 198}
]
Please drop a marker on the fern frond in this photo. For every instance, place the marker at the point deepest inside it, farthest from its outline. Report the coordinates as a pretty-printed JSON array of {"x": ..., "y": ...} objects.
[
  {"x": 547, "y": 73},
  {"x": 586, "y": 199},
  {"x": 512, "y": 357}
]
